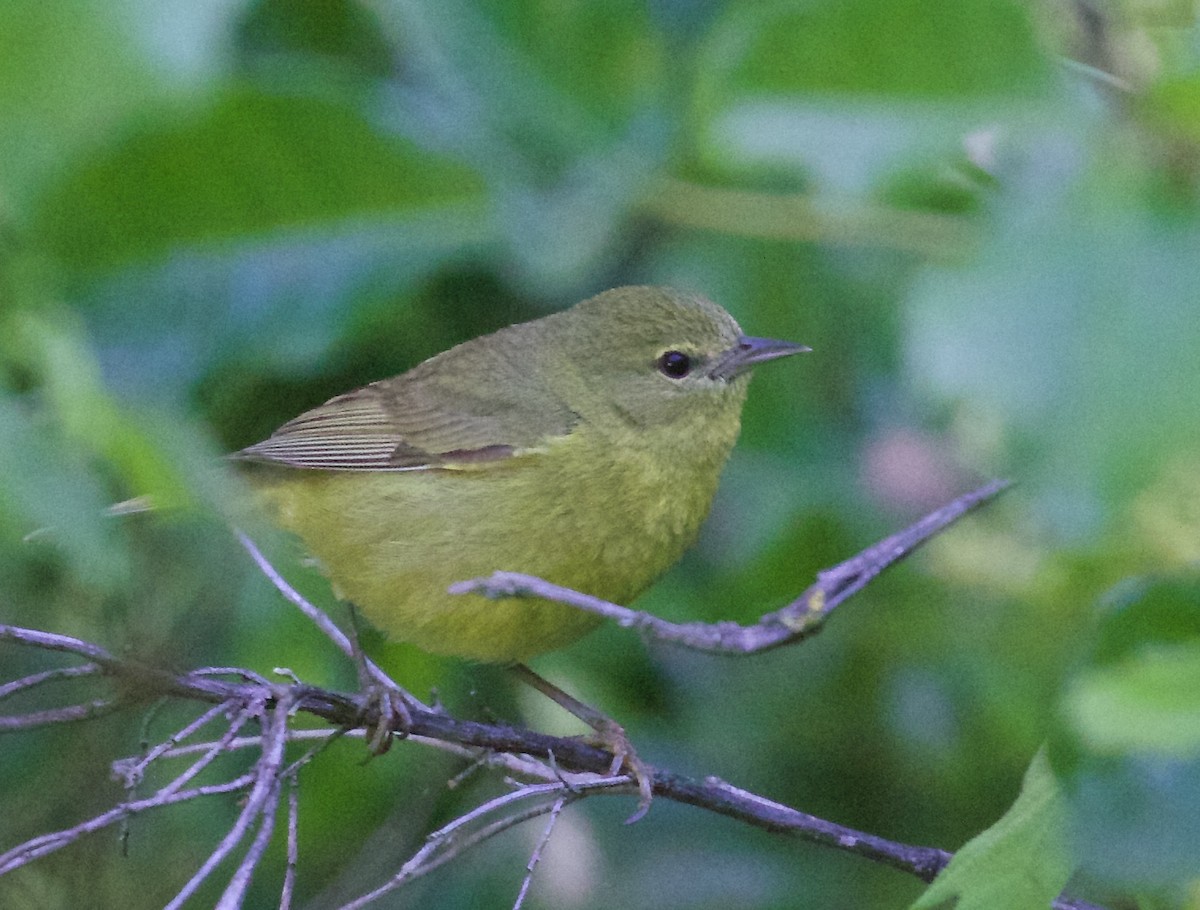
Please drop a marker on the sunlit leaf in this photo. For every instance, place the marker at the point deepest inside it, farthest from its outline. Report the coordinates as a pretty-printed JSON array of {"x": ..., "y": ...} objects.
[{"x": 1022, "y": 861}]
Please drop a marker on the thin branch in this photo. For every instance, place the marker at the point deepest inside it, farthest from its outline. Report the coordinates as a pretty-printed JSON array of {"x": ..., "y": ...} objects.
[
  {"x": 132, "y": 771},
  {"x": 37, "y": 679},
  {"x": 264, "y": 787},
  {"x": 536, "y": 856},
  {"x": 50, "y": 641},
  {"x": 44, "y": 844},
  {"x": 800, "y": 619},
  {"x": 215, "y": 751},
  {"x": 321, "y": 620},
  {"x": 69, "y": 715},
  {"x": 573, "y": 769},
  {"x": 293, "y": 844},
  {"x": 263, "y": 802},
  {"x": 570, "y": 754},
  {"x": 455, "y": 838},
  {"x": 800, "y": 217}
]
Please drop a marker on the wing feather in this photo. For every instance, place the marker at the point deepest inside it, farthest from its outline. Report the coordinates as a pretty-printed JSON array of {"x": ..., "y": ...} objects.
[{"x": 472, "y": 405}]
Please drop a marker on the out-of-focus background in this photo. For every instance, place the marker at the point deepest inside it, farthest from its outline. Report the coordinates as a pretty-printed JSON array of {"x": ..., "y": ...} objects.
[{"x": 980, "y": 214}]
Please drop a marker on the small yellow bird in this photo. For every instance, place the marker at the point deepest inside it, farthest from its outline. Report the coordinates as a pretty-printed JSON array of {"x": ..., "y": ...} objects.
[{"x": 583, "y": 447}]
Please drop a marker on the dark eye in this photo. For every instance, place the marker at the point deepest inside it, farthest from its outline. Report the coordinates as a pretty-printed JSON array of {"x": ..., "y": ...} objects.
[{"x": 674, "y": 364}]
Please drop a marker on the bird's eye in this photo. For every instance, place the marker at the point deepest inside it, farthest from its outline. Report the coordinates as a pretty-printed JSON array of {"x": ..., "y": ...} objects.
[{"x": 674, "y": 364}]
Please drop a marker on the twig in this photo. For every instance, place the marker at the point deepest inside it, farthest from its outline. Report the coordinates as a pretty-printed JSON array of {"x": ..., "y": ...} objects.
[
  {"x": 327, "y": 626},
  {"x": 536, "y": 856},
  {"x": 267, "y": 793},
  {"x": 455, "y": 838},
  {"x": 293, "y": 844},
  {"x": 795, "y": 216},
  {"x": 265, "y": 788},
  {"x": 507, "y": 746},
  {"x": 37, "y": 679},
  {"x": 800, "y": 619},
  {"x": 132, "y": 772},
  {"x": 36, "y": 847},
  {"x": 513, "y": 749},
  {"x": 50, "y": 641}
]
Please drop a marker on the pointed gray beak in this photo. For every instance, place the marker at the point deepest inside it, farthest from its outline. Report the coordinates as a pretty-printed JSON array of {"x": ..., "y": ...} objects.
[{"x": 750, "y": 351}]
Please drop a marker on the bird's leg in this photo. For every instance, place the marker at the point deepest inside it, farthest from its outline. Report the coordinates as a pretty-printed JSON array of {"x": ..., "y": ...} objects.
[
  {"x": 610, "y": 735},
  {"x": 386, "y": 704}
]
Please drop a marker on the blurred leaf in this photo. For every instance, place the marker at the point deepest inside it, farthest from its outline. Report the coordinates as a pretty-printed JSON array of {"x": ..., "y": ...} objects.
[
  {"x": 249, "y": 164},
  {"x": 342, "y": 31},
  {"x": 49, "y": 107},
  {"x": 1076, "y": 330},
  {"x": 1146, "y": 613},
  {"x": 608, "y": 57},
  {"x": 566, "y": 116},
  {"x": 264, "y": 217},
  {"x": 847, "y": 91},
  {"x": 942, "y": 49},
  {"x": 556, "y": 79},
  {"x": 280, "y": 301},
  {"x": 1149, "y": 703},
  {"x": 1020, "y": 862},
  {"x": 1129, "y": 742},
  {"x": 47, "y": 491},
  {"x": 848, "y": 145},
  {"x": 1174, "y": 107},
  {"x": 89, "y": 419}
]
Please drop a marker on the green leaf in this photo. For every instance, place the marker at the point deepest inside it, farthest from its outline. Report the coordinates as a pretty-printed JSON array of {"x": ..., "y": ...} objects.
[
  {"x": 844, "y": 93},
  {"x": 250, "y": 164},
  {"x": 1128, "y": 742},
  {"x": 162, "y": 326},
  {"x": 90, "y": 420},
  {"x": 69, "y": 71},
  {"x": 1019, "y": 863},
  {"x": 296, "y": 32},
  {"x": 1149, "y": 703},
  {"x": 48, "y": 492},
  {"x": 1173, "y": 106},
  {"x": 607, "y": 57},
  {"x": 914, "y": 48},
  {"x": 1076, "y": 330}
]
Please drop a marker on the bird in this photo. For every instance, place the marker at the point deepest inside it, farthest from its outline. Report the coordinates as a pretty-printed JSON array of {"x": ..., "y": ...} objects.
[{"x": 583, "y": 447}]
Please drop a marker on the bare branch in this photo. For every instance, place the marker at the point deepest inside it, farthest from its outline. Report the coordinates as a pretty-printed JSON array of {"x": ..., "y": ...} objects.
[
  {"x": 49, "y": 641},
  {"x": 536, "y": 856},
  {"x": 36, "y": 847},
  {"x": 322, "y": 621},
  {"x": 800, "y": 619},
  {"x": 511, "y": 748},
  {"x": 132, "y": 772},
  {"x": 564, "y": 770},
  {"x": 263, "y": 803},
  {"x": 454, "y": 839},
  {"x": 86, "y": 711},
  {"x": 293, "y": 844},
  {"x": 249, "y": 814},
  {"x": 47, "y": 676}
]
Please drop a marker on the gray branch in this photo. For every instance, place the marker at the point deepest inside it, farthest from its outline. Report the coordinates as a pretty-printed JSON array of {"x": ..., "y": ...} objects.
[
  {"x": 800, "y": 619},
  {"x": 569, "y": 769}
]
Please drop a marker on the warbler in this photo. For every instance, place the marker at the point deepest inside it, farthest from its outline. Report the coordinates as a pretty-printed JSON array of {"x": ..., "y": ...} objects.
[{"x": 584, "y": 447}]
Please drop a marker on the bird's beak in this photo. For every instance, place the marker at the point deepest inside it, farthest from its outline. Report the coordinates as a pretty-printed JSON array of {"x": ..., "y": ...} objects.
[{"x": 749, "y": 351}]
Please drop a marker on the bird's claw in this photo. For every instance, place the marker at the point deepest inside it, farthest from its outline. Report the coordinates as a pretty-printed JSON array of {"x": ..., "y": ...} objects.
[{"x": 612, "y": 737}]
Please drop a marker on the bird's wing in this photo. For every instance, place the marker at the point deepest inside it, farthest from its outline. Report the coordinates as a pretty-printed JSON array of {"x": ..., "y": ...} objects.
[{"x": 421, "y": 421}]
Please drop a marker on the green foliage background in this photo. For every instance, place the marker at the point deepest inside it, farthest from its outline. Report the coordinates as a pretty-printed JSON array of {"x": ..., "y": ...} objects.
[{"x": 981, "y": 214}]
